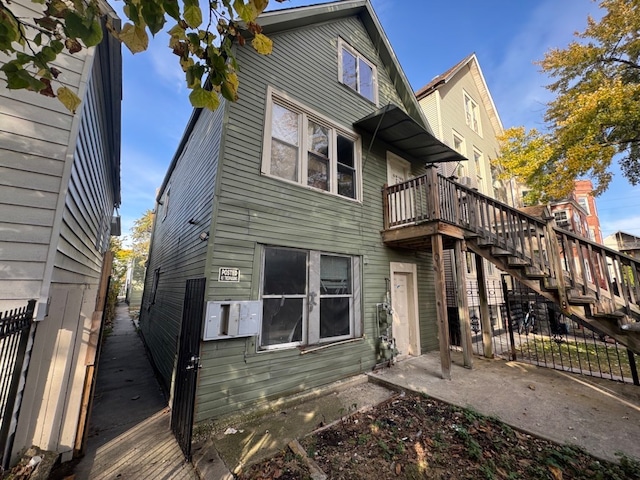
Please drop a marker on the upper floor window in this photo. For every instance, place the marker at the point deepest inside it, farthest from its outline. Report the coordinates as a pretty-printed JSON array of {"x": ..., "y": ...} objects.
[
  {"x": 472, "y": 114},
  {"x": 562, "y": 219},
  {"x": 305, "y": 148},
  {"x": 357, "y": 72},
  {"x": 458, "y": 143},
  {"x": 584, "y": 203}
]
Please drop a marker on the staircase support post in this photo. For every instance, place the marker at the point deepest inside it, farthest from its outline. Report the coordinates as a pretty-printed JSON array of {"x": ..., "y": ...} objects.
[
  {"x": 556, "y": 265},
  {"x": 437, "y": 251},
  {"x": 485, "y": 316},
  {"x": 634, "y": 369},
  {"x": 463, "y": 305}
]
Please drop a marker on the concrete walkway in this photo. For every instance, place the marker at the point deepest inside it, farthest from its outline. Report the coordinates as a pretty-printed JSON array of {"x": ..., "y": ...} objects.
[{"x": 129, "y": 428}]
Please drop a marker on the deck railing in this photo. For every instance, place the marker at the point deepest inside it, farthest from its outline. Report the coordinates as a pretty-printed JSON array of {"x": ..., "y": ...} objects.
[{"x": 566, "y": 261}]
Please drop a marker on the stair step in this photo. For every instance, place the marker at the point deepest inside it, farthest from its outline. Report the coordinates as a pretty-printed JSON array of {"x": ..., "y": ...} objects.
[
  {"x": 517, "y": 262},
  {"x": 499, "y": 252},
  {"x": 533, "y": 272},
  {"x": 575, "y": 299}
]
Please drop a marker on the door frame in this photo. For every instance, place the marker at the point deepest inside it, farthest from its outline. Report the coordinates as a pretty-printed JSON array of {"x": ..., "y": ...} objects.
[
  {"x": 410, "y": 269},
  {"x": 392, "y": 158}
]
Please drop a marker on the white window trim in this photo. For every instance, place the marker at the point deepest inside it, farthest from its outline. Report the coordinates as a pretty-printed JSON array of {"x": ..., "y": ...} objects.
[
  {"x": 463, "y": 146},
  {"x": 311, "y": 319},
  {"x": 466, "y": 96},
  {"x": 342, "y": 44},
  {"x": 309, "y": 114}
]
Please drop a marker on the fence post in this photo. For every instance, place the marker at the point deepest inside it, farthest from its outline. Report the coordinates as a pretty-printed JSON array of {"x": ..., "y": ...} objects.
[{"x": 634, "y": 369}]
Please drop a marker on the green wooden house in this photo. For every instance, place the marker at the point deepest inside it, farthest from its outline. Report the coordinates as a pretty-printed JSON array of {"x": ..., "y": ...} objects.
[{"x": 275, "y": 203}]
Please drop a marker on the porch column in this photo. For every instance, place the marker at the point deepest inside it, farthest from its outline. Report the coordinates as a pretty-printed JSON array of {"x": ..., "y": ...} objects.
[
  {"x": 485, "y": 317},
  {"x": 463, "y": 305},
  {"x": 441, "y": 305}
]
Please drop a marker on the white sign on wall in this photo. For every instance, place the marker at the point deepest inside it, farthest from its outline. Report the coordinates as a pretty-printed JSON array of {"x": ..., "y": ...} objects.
[{"x": 228, "y": 274}]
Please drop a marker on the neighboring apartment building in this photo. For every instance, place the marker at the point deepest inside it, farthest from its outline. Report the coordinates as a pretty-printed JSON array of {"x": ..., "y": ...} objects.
[
  {"x": 271, "y": 214},
  {"x": 578, "y": 212},
  {"x": 59, "y": 186},
  {"x": 462, "y": 114},
  {"x": 624, "y": 242}
]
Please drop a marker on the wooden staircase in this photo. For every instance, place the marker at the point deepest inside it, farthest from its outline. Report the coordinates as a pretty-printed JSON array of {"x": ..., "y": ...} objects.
[{"x": 586, "y": 280}]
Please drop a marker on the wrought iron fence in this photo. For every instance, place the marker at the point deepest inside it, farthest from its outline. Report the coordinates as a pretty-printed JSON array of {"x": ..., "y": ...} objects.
[
  {"x": 527, "y": 327},
  {"x": 15, "y": 326}
]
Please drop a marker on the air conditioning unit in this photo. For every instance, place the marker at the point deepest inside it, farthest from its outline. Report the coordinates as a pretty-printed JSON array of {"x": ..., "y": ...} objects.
[{"x": 466, "y": 181}]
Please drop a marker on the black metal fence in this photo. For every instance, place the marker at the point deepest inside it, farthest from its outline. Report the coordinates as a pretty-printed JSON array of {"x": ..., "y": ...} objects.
[
  {"x": 15, "y": 326},
  {"x": 527, "y": 327}
]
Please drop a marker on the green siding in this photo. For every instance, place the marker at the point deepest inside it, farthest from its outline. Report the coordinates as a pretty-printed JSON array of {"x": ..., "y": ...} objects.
[
  {"x": 252, "y": 210},
  {"x": 176, "y": 248}
]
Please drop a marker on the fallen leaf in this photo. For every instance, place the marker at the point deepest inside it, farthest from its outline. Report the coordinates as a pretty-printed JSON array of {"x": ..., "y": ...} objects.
[{"x": 556, "y": 472}]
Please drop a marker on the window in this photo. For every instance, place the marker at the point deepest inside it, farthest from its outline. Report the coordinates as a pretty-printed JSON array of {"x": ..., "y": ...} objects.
[
  {"x": 309, "y": 297},
  {"x": 472, "y": 114},
  {"x": 356, "y": 72},
  {"x": 584, "y": 203},
  {"x": 562, "y": 219},
  {"x": 304, "y": 148},
  {"x": 477, "y": 163},
  {"x": 458, "y": 143}
]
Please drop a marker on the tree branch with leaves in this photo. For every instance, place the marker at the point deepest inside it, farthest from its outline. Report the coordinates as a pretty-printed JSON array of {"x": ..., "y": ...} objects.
[
  {"x": 205, "y": 53},
  {"x": 595, "y": 115}
]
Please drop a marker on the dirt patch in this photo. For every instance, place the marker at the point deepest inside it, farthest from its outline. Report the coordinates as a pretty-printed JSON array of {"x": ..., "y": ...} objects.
[{"x": 416, "y": 437}]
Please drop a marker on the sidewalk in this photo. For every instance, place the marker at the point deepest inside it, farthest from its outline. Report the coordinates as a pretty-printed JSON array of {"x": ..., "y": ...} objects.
[{"x": 129, "y": 428}]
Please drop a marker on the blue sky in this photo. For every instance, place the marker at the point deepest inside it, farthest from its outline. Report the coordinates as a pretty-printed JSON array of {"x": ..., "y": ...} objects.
[{"x": 428, "y": 37}]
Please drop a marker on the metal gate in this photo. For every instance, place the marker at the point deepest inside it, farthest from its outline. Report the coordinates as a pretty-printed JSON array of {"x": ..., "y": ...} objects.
[
  {"x": 15, "y": 326},
  {"x": 188, "y": 364}
]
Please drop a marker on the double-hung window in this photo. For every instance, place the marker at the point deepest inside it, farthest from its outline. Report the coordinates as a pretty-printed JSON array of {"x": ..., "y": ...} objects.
[
  {"x": 305, "y": 148},
  {"x": 472, "y": 114},
  {"x": 356, "y": 72},
  {"x": 308, "y": 297}
]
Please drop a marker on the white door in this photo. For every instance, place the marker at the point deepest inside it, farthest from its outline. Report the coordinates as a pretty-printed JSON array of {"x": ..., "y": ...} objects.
[
  {"x": 405, "y": 309},
  {"x": 400, "y": 203}
]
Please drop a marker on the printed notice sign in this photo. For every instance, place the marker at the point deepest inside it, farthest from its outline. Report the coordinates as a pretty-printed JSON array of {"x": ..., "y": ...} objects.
[{"x": 228, "y": 274}]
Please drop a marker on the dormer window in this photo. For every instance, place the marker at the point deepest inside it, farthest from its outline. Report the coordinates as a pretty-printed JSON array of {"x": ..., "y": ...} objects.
[{"x": 356, "y": 72}]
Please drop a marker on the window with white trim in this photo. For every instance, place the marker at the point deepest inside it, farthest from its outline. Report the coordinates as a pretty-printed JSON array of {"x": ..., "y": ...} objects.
[
  {"x": 584, "y": 203},
  {"x": 308, "y": 297},
  {"x": 458, "y": 143},
  {"x": 477, "y": 163},
  {"x": 305, "y": 148},
  {"x": 356, "y": 72},
  {"x": 472, "y": 113}
]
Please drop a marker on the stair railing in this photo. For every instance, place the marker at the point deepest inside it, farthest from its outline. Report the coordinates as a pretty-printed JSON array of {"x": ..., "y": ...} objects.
[{"x": 601, "y": 278}]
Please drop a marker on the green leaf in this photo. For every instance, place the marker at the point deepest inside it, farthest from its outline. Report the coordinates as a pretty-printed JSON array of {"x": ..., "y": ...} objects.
[
  {"x": 153, "y": 15},
  {"x": 18, "y": 78},
  {"x": 201, "y": 98},
  {"x": 172, "y": 8},
  {"x": 69, "y": 99},
  {"x": 193, "y": 15},
  {"x": 134, "y": 37},
  {"x": 262, "y": 44},
  {"x": 89, "y": 31}
]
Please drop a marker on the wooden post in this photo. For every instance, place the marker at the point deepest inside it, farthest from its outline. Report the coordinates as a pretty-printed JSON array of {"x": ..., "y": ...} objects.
[
  {"x": 485, "y": 316},
  {"x": 93, "y": 352},
  {"x": 433, "y": 192},
  {"x": 463, "y": 305},
  {"x": 553, "y": 247},
  {"x": 441, "y": 305}
]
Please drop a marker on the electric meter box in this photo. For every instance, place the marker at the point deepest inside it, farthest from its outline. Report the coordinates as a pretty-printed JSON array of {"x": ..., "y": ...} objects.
[{"x": 231, "y": 319}]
